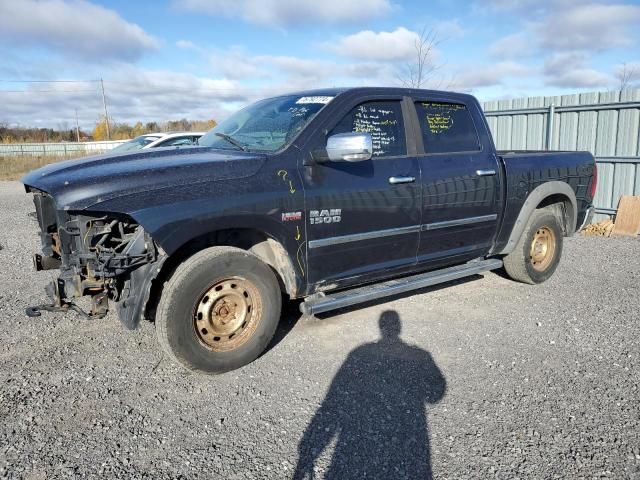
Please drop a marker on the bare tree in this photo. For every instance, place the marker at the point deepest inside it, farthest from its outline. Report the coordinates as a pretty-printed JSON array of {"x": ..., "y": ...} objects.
[
  {"x": 627, "y": 76},
  {"x": 417, "y": 72}
]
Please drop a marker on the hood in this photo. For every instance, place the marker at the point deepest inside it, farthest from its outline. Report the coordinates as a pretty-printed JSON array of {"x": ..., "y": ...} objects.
[{"x": 79, "y": 184}]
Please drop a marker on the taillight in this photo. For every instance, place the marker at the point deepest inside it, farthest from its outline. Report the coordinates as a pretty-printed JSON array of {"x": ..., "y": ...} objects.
[{"x": 594, "y": 181}]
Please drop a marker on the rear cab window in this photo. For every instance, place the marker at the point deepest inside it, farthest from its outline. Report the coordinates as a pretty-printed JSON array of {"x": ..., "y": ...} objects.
[
  {"x": 446, "y": 127},
  {"x": 383, "y": 120}
]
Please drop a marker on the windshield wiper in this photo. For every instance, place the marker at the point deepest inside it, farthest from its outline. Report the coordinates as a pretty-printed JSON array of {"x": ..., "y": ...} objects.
[{"x": 232, "y": 141}]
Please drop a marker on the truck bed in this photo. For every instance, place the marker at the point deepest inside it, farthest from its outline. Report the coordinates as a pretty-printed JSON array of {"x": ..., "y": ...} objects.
[{"x": 527, "y": 169}]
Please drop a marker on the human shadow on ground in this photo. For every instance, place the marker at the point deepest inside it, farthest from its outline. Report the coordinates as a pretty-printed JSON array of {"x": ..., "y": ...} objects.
[
  {"x": 375, "y": 412},
  {"x": 291, "y": 308}
]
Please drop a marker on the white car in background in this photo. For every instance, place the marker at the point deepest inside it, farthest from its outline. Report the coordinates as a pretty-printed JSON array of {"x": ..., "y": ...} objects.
[{"x": 153, "y": 140}]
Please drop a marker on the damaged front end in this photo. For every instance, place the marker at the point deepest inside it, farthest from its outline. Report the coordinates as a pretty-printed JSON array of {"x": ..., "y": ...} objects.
[{"x": 106, "y": 256}]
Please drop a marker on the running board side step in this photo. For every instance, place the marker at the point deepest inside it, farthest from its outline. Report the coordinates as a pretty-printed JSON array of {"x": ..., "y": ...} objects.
[{"x": 318, "y": 304}]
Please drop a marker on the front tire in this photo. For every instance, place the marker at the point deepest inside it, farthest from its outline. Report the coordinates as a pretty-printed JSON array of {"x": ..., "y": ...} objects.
[
  {"x": 537, "y": 253},
  {"x": 219, "y": 310}
]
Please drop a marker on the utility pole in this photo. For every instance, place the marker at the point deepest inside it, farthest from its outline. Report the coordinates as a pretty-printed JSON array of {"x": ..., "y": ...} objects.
[
  {"x": 106, "y": 115},
  {"x": 77, "y": 127}
]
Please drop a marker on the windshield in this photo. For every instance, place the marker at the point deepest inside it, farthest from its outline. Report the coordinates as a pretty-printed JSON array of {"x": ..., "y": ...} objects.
[
  {"x": 267, "y": 125},
  {"x": 135, "y": 144}
]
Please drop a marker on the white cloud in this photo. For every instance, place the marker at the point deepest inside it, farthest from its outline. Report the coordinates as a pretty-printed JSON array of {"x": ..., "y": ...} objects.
[
  {"x": 132, "y": 94},
  {"x": 589, "y": 26},
  {"x": 294, "y": 66},
  {"x": 570, "y": 70},
  {"x": 75, "y": 28},
  {"x": 474, "y": 76},
  {"x": 527, "y": 6},
  {"x": 382, "y": 46},
  {"x": 580, "y": 78},
  {"x": 236, "y": 63},
  {"x": 508, "y": 5},
  {"x": 448, "y": 29},
  {"x": 296, "y": 72},
  {"x": 281, "y": 13},
  {"x": 566, "y": 25},
  {"x": 186, "y": 45},
  {"x": 563, "y": 62},
  {"x": 566, "y": 34},
  {"x": 512, "y": 46}
]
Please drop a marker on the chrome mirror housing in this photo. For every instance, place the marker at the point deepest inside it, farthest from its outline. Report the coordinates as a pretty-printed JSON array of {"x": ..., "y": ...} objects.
[{"x": 349, "y": 147}]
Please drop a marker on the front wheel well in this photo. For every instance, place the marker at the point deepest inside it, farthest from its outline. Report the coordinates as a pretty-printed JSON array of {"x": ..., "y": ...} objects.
[{"x": 268, "y": 249}]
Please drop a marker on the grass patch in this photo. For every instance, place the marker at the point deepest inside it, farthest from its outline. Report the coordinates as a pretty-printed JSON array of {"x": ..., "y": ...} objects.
[{"x": 13, "y": 167}]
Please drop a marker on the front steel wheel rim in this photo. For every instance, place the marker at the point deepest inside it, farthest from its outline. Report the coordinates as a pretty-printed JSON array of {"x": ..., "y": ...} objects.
[
  {"x": 543, "y": 248},
  {"x": 227, "y": 314}
]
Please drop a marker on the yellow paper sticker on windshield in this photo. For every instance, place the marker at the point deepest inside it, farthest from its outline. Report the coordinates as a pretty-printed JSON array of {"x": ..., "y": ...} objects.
[{"x": 315, "y": 99}]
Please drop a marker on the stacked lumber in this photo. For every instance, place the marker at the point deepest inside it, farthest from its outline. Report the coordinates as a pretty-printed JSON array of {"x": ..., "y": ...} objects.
[
  {"x": 603, "y": 228},
  {"x": 627, "y": 220}
]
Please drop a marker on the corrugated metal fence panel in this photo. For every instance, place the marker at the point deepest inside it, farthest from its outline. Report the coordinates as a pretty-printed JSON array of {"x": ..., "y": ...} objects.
[
  {"x": 519, "y": 125},
  {"x": 568, "y": 124},
  {"x": 492, "y": 121},
  {"x": 536, "y": 125},
  {"x": 587, "y": 123},
  {"x": 503, "y": 140},
  {"x": 606, "y": 132},
  {"x": 627, "y": 146},
  {"x": 610, "y": 132}
]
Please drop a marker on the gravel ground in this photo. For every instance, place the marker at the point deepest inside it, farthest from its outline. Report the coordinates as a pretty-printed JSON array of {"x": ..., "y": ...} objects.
[{"x": 488, "y": 378}]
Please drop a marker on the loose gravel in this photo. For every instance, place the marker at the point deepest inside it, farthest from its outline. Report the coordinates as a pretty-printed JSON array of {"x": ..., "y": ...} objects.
[{"x": 488, "y": 379}]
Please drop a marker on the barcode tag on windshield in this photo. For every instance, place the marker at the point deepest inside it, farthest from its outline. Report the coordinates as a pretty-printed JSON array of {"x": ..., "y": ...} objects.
[{"x": 323, "y": 100}]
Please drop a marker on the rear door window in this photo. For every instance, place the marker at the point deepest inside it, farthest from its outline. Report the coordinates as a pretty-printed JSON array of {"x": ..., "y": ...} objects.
[
  {"x": 383, "y": 120},
  {"x": 447, "y": 127}
]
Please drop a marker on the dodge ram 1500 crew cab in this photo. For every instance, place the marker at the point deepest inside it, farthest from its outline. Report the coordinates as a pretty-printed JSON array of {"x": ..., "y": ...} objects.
[{"x": 334, "y": 196}]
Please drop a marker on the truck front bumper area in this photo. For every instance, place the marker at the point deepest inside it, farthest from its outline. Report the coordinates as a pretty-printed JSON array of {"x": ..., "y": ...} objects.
[
  {"x": 130, "y": 306},
  {"x": 107, "y": 257}
]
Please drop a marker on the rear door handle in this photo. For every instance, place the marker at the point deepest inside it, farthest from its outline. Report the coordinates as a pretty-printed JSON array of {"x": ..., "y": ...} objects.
[
  {"x": 485, "y": 173},
  {"x": 397, "y": 180}
]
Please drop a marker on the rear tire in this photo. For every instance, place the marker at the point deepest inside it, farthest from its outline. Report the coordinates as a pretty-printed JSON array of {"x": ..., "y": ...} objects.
[
  {"x": 537, "y": 253},
  {"x": 219, "y": 310}
]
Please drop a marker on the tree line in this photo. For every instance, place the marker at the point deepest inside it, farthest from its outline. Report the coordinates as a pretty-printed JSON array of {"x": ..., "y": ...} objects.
[
  {"x": 38, "y": 135},
  {"x": 117, "y": 130},
  {"x": 122, "y": 131}
]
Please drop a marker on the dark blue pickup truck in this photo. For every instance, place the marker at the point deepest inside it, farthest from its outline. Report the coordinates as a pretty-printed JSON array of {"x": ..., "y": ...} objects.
[{"x": 335, "y": 196}]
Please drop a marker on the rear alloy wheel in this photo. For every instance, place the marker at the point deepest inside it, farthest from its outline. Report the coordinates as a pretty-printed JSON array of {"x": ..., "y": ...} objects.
[
  {"x": 219, "y": 310},
  {"x": 537, "y": 253}
]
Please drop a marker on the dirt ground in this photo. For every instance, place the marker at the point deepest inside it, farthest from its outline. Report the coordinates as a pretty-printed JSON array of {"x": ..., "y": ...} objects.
[{"x": 485, "y": 378}]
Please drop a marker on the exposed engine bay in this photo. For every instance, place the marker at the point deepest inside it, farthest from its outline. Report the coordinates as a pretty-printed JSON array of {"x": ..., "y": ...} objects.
[{"x": 100, "y": 255}]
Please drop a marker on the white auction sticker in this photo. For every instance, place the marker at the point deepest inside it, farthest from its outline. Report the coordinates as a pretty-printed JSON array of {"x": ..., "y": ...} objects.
[{"x": 317, "y": 99}]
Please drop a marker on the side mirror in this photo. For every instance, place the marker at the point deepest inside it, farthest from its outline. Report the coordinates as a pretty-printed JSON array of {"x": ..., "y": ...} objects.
[{"x": 349, "y": 147}]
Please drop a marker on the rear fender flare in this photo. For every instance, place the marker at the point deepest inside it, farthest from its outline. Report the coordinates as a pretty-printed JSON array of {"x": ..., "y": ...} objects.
[{"x": 534, "y": 199}]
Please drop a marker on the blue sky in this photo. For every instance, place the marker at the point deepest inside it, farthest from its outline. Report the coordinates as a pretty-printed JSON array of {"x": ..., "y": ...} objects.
[{"x": 201, "y": 59}]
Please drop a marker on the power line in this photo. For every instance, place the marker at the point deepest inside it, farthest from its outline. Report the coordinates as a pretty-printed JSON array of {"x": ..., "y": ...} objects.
[
  {"x": 130, "y": 84},
  {"x": 47, "y": 91},
  {"x": 151, "y": 89},
  {"x": 49, "y": 81}
]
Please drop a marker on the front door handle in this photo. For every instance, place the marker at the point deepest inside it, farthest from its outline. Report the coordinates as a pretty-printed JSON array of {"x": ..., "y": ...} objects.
[
  {"x": 397, "y": 180},
  {"x": 485, "y": 173}
]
